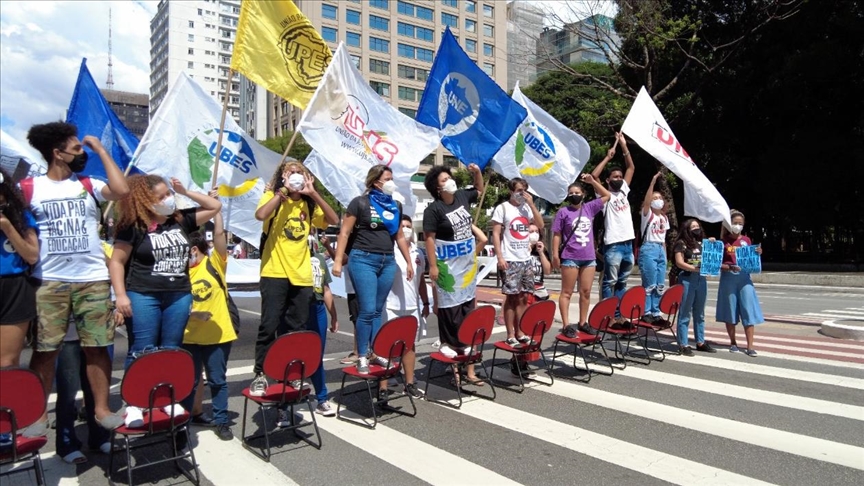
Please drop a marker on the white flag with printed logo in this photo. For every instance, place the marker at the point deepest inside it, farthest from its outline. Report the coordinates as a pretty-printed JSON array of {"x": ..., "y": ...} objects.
[
  {"x": 181, "y": 143},
  {"x": 19, "y": 161},
  {"x": 647, "y": 127},
  {"x": 543, "y": 152},
  {"x": 352, "y": 128}
]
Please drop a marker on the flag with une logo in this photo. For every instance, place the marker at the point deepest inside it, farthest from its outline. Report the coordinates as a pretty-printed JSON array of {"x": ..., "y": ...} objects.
[
  {"x": 473, "y": 114},
  {"x": 278, "y": 48}
]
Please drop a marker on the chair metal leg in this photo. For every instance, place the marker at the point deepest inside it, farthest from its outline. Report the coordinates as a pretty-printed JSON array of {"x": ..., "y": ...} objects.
[
  {"x": 37, "y": 470},
  {"x": 128, "y": 460}
]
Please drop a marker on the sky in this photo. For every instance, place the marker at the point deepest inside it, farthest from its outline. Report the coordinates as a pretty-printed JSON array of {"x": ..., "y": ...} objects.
[{"x": 42, "y": 43}]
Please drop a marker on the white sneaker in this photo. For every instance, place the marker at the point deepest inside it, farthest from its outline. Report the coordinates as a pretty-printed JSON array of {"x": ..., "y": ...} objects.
[
  {"x": 105, "y": 448},
  {"x": 134, "y": 417},
  {"x": 467, "y": 351},
  {"x": 436, "y": 344},
  {"x": 175, "y": 410},
  {"x": 448, "y": 351},
  {"x": 324, "y": 408}
]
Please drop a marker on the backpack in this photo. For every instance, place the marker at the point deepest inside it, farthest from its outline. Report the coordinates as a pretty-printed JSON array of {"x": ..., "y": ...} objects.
[
  {"x": 27, "y": 191},
  {"x": 233, "y": 311}
]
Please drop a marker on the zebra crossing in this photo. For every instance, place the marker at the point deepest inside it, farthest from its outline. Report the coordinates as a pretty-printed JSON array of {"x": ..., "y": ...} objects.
[{"x": 725, "y": 418}]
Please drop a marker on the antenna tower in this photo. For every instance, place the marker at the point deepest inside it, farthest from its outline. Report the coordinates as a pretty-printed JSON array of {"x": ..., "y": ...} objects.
[{"x": 110, "y": 83}]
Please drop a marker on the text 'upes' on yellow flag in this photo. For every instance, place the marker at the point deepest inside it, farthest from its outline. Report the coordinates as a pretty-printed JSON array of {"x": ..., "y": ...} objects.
[{"x": 278, "y": 48}]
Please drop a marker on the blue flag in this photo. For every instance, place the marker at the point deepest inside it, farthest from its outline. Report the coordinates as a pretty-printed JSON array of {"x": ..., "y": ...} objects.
[
  {"x": 89, "y": 111},
  {"x": 474, "y": 115}
]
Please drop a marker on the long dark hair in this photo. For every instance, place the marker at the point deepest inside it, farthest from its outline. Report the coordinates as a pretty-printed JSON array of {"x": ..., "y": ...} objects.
[
  {"x": 685, "y": 236},
  {"x": 15, "y": 212}
]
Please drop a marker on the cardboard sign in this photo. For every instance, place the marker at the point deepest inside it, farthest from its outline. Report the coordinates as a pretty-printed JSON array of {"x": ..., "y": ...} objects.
[
  {"x": 712, "y": 258},
  {"x": 748, "y": 260}
]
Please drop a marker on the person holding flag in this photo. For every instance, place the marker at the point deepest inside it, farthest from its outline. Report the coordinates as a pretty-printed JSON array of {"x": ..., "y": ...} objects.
[{"x": 370, "y": 228}]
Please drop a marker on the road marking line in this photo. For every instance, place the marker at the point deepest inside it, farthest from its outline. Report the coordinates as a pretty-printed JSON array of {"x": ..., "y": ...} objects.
[
  {"x": 228, "y": 462},
  {"x": 824, "y": 316},
  {"x": 641, "y": 460},
  {"x": 803, "y": 341},
  {"x": 854, "y": 313}
]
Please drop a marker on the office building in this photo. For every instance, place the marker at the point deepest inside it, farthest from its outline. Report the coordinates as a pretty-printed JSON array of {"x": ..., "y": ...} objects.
[
  {"x": 588, "y": 40},
  {"x": 131, "y": 108},
  {"x": 524, "y": 26},
  {"x": 393, "y": 43}
]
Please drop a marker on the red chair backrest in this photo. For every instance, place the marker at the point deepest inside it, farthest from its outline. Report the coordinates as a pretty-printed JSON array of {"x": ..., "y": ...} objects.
[
  {"x": 476, "y": 328},
  {"x": 294, "y": 356},
  {"x": 542, "y": 313},
  {"x": 671, "y": 300},
  {"x": 165, "y": 367},
  {"x": 603, "y": 313},
  {"x": 20, "y": 391},
  {"x": 632, "y": 304},
  {"x": 395, "y": 337}
]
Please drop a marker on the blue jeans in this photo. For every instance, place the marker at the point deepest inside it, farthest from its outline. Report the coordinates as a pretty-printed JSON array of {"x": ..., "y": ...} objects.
[
  {"x": 214, "y": 358},
  {"x": 652, "y": 266},
  {"x": 692, "y": 305},
  {"x": 158, "y": 321},
  {"x": 372, "y": 275},
  {"x": 318, "y": 322},
  {"x": 617, "y": 265},
  {"x": 72, "y": 376}
]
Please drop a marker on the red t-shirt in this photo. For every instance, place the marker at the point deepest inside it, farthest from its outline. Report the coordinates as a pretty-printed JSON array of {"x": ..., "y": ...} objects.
[{"x": 729, "y": 244}]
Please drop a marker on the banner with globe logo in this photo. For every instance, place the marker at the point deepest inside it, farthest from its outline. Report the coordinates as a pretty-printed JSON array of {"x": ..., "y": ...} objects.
[
  {"x": 181, "y": 142},
  {"x": 542, "y": 151}
]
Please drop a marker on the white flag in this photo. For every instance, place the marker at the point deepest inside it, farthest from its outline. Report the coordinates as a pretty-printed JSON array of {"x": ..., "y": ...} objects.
[
  {"x": 351, "y": 129},
  {"x": 19, "y": 160},
  {"x": 543, "y": 152},
  {"x": 647, "y": 127},
  {"x": 181, "y": 143}
]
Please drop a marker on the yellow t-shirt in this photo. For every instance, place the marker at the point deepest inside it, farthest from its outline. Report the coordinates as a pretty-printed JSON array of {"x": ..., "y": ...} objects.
[
  {"x": 286, "y": 253},
  {"x": 208, "y": 296}
]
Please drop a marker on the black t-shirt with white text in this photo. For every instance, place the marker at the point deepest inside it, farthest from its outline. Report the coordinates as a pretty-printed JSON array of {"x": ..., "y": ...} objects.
[
  {"x": 693, "y": 256},
  {"x": 159, "y": 261},
  {"x": 369, "y": 233},
  {"x": 537, "y": 264},
  {"x": 450, "y": 222}
]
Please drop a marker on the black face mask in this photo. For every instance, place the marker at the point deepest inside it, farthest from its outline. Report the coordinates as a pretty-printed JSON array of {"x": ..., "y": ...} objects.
[
  {"x": 697, "y": 233},
  {"x": 574, "y": 198},
  {"x": 616, "y": 185},
  {"x": 79, "y": 162}
]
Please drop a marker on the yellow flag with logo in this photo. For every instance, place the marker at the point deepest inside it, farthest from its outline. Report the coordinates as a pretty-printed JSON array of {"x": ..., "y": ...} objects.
[{"x": 278, "y": 48}]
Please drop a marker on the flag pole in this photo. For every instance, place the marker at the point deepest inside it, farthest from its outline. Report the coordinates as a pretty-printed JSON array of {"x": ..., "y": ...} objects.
[
  {"x": 482, "y": 195},
  {"x": 288, "y": 147},
  {"x": 110, "y": 205},
  {"x": 222, "y": 126}
]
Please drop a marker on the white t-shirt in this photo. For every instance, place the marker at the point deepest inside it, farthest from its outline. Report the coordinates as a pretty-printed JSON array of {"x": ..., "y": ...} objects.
[
  {"x": 619, "y": 221},
  {"x": 515, "y": 220},
  {"x": 400, "y": 297},
  {"x": 68, "y": 219},
  {"x": 657, "y": 228}
]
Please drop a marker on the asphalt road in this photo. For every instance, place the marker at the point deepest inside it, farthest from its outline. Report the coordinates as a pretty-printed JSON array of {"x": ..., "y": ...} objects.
[{"x": 786, "y": 417}]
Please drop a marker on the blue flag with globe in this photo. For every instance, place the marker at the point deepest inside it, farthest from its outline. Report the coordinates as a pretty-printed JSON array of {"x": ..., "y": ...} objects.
[{"x": 473, "y": 127}]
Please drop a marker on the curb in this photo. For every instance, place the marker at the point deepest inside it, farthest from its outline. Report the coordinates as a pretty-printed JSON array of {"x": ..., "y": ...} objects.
[{"x": 837, "y": 329}]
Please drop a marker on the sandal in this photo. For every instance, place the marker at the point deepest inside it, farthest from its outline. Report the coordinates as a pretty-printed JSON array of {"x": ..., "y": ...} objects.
[
  {"x": 75, "y": 457},
  {"x": 474, "y": 381}
]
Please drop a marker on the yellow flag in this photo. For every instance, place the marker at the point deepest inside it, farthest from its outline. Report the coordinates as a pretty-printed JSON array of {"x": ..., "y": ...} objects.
[{"x": 278, "y": 48}]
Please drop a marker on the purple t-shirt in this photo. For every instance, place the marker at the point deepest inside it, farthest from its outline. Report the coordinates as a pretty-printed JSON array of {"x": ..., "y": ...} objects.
[{"x": 576, "y": 228}]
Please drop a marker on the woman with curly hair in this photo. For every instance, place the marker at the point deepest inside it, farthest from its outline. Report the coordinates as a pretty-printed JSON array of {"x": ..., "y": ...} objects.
[
  {"x": 152, "y": 241},
  {"x": 19, "y": 249}
]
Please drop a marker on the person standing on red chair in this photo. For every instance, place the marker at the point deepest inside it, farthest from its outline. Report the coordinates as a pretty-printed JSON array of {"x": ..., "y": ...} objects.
[{"x": 652, "y": 252}]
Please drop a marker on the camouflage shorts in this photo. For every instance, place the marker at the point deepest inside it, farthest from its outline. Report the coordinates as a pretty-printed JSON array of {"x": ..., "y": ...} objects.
[
  {"x": 518, "y": 278},
  {"x": 88, "y": 302}
]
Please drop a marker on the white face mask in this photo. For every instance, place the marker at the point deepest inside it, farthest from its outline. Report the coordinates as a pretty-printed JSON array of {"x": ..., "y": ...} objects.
[
  {"x": 737, "y": 228},
  {"x": 658, "y": 203},
  {"x": 533, "y": 237},
  {"x": 388, "y": 188},
  {"x": 409, "y": 233},
  {"x": 296, "y": 181},
  {"x": 166, "y": 207},
  {"x": 449, "y": 186},
  {"x": 519, "y": 198}
]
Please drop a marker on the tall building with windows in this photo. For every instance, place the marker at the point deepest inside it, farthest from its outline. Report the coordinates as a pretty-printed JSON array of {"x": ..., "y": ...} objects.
[
  {"x": 197, "y": 36},
  {"x": 130, "y": 108},
  {"x": 393, "y": 43},
  {"x": 524, "y": 25},
  {"x": 588, "y": 40}
]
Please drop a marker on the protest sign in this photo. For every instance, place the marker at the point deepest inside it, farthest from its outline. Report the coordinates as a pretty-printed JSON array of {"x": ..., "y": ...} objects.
[
  {"x": 747, "y": 259},
  {"x": 712, "y": 258}
]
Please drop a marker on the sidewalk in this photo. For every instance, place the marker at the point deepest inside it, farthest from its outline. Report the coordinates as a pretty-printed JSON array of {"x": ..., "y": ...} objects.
[{"x": 817, "y": 279}]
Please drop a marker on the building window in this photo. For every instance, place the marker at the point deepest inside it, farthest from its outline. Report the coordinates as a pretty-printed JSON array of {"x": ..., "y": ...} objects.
[
  {"x": 412, "y": 10},
  {"x": 414, "y": 31},
  {"x": 470, "y": 6},
  {"x": 410, "y": 94},
  {"x": 488, "y": 11},
  {"x": 471, "y": 45},
  {"x": 489, "y": 69},
  {"x": 488, "y": 30},
  {"x": 352, "y": 39},
  {"x": 352, "y": 17},
  {"x": 449, "y": 20},
  {"x": 450, "y": 3},
  {"x": 190, "y": 65},
  {"x": 328, "y": 12},
  {"x": 404, "y": 50},
  {"x": 408, "y": 111},
  {"x": 191, "y": 38},
  {"x": 329, "y": 34},
  {"x": 379, "y": 45},
  {"x": 382, "y": 89},
  {"x": 470, "y": 25},
  {"x": 488, "y": 50},
  {"x": 382, "y": 4},
  {"x": 379, "y": 67},
  {"x": 425, "y": 54},
  {"x": 200, "y": 11},
  {"x": 379, "y": 23},
  {"x": 191, "y": 24},
  {"x": 412, "y": 73},
  {"x": 356, "y": 59},
  {"x": 191, "y": 51}
]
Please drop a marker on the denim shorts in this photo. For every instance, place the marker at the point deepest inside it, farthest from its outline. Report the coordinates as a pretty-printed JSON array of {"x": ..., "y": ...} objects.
[{"x": 568, "y": 262}]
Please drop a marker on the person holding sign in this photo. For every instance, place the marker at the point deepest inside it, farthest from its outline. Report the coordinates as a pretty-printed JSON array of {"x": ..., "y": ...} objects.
[
  {"x": 688, "y": 257},
  {"x": 736, "y": 296},
  {"x": 652, "y": 253}
]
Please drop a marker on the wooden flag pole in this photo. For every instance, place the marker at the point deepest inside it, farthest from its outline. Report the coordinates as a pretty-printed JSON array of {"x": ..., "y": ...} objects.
[
  {"x": 482, "y": 196},
  {"x": 222, "y": 127},
  {"x": 288, "y": 147}
]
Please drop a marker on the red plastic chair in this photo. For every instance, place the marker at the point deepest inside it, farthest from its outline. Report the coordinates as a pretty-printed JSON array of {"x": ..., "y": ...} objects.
[
  {"x": 22, "y": 403},
  {"x": 292, "y": 357},
  {"x": 473, "y": 334},
  {"x": 631, "y": 307},
  {"x": 535, "y": 322},
  {"x": 154, "y": 381},
  {"x": 670, "y": 303},
  {"x": 600, "y": 317},
  {"x": 394, "y": 338}
]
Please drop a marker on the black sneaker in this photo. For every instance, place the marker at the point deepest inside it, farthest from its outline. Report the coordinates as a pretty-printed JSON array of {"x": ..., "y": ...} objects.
[
  {"x": 383, "y": 396},
  {"x": 705, "y": 348},
  {"x": 223, "y": 431},
  {"x": 514, "y": 369},
  {"x": 203, "y": 420},
  {"x": 181, "y": 441},
  {"x": 686, "y": 350},
  {"x": 649, "y": 318},
  {"x": 584, "y": 327},
  {"x": 411, "y": 389}
]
